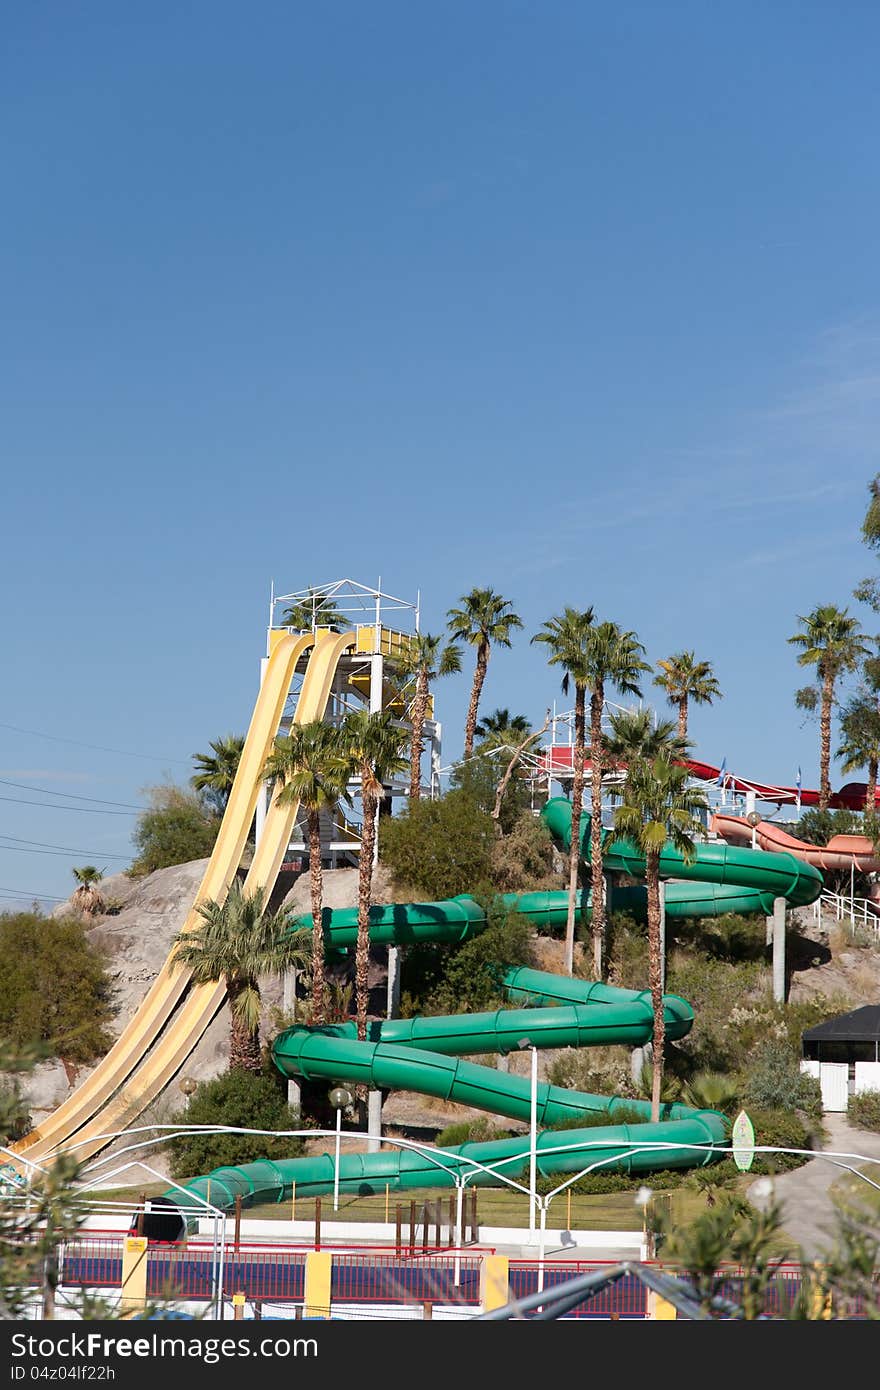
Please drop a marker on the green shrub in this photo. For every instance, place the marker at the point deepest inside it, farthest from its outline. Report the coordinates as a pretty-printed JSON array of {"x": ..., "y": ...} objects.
[
  {"x": 175, "y": 829},
  {"x": 603, "y": 1071},
  {"x": 15, "y": 1120},
  {"x": 54, "y": 988},
  {"x": 235, "y": 1098},
  {"x": 863, "y": 1111},
  {"x": 470, "y": 1132},
  {"x": 600, "y": 1182},
  {"x": 774, "y": 1081},
  {"x": 627, "y": 950},
  {"x": 439, "y": 848},
  {"x": 522, "y": 860},
  {"x": 712, "y": 1090},
  {"x": 730, "y": 937},
  {"x": 440, "y": 979},
  {"x": 783, "y": 1128}
]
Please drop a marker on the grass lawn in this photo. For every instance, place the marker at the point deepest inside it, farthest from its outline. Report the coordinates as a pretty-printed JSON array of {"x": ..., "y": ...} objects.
[{"x": 613, "y": 1211}]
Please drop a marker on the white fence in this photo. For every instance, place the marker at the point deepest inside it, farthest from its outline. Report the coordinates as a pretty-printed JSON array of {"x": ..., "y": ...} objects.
[{"x": 859, "y": 912}]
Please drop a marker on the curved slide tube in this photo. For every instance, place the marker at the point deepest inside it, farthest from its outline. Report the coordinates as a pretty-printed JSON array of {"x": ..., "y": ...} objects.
[
  {"x": 124, "y": 1083},
  {"x": 767, "y": 876},
  {"x": 841, "y": 851},
  {"x": 424, "y": 1055}
]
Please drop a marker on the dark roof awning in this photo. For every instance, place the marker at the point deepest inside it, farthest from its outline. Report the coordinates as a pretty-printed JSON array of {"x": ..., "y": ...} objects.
[{"x": 862, "y": 1025}]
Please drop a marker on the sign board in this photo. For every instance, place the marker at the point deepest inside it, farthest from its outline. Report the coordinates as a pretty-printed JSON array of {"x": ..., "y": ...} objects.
[{"x": 742, "y": 1137}]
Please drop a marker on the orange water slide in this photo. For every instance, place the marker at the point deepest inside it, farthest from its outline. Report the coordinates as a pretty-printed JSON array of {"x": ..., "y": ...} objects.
[{"x": 841, "y": 851}]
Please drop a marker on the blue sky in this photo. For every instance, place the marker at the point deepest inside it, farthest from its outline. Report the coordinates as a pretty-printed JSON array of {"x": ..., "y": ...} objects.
[{"x": 573, "y": 300}]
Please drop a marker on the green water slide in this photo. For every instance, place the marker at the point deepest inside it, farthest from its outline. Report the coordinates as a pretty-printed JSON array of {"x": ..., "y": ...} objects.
[
  {"x": 426, "y": 1054},
  {"x": 721, "y": 878}
]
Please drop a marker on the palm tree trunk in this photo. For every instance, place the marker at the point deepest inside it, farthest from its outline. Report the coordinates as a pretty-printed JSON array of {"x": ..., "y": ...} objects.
[
  {"x": 871, "y": 790},
  {"x": 597, "y": 701},
  {"x": 420, "y": 704},
  {"x": 577, "y": 802},
  {"x": 683, "y": 716},
  {"x": 244, "y": 1042},
  {"x": 319, "y": 989},
  {"x": 652, "y": 879},
  {"x": 476, "y": 692},
  {"x": 365, "y": 888},
  {"x": 825, "y": 742}
]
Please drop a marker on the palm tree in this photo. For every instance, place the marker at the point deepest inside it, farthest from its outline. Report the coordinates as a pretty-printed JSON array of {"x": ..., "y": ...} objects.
[
  {"x": 613, "y": 658},
  {"x": 237, "y": 941},
  {"x": 484, "y": 619},
  {"x": 831, "y": 641},
  {"x": 86, "y": 897},
  {"x": 567, "y": 637},
  {"x": 868, "y": 590},
  {"x": 215, "y": 771},
  {"x": 423, "y": 660},
  {"x": 501, "y": 729},
  {"x": 634, "y": 734},
  {"x": 657, "y": 805},
  {"x": 685, "y": 679},
  {"x": 860, "y": 741},
  {"x": 378, "y": 752},
  {"x": 316, "y": 610},
  {"x": 312, "y": 766}
]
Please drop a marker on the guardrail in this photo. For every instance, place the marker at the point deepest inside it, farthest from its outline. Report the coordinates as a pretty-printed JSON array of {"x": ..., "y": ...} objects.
[{"x": 859, "y": 912}]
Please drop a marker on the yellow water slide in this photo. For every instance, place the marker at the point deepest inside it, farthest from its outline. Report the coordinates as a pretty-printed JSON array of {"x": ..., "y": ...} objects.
[{"x": 128, "y": 1079}]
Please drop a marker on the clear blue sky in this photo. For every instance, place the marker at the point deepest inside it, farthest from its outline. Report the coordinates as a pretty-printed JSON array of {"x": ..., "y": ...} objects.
[{"x": 578, "y": 301}]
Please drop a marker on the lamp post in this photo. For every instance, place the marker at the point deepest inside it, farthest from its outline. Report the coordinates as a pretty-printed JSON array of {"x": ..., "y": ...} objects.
[
  {"x": 340, "y": 1097},
  {"x": 754, "y": 821},
  {"x": 533, "y": 1134},
  {"x": 187, "y": 1085}
]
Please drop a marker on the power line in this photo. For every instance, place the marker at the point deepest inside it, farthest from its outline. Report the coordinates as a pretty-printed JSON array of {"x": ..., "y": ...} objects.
[
  {"x": 71, "y": 796},
  {"x": 47, "y": 806},
  {"x": 14, "y": 893},
  {"x": 61, "y": 854},
  {"x": 68, "y": 849},
  {"x": 95, "y": 747}
]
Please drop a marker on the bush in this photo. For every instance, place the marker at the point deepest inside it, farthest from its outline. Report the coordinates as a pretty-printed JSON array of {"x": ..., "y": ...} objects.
[
  {"x": 789, "y": 1131},
  {"x": 54, "y": 988},
  {"x": 774, "y": 1081},
  {"x": 598, "y": 1070},
  {"x": 441, "y": 980},
  {"x": 627, "y": 950},
  {"x": 470, "y": 1132},
  {"x": 522, "y": 860},
  {"x": 15, "y": 1120},
  {"x": 439, "y": 848},
  {"x": 175, "y": 829},
  {"x": 863, "y": 1111},
  {"x": 730, "y": 937},
  {"x": 478, "y": 778},
  {"x": 235, "y": 1098}
]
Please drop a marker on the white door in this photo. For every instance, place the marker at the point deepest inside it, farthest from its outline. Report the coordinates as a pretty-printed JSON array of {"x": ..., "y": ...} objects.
[{"x": 834, "y": 1081}]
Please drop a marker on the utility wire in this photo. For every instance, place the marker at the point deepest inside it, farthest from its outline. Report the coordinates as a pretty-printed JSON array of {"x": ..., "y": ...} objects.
[
  {"x": 61, "y": 854},
  {"x": 14, "y": 893},
  {"x": 67, "y": 849},
  {"x": 96, "y": 747},
  {"x": 71, "y": 796},
  {"x": 86, "y": 810}
]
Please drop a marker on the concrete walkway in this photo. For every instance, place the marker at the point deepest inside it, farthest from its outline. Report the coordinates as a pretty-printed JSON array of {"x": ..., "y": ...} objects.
[{"x": 808, "y": 1211}]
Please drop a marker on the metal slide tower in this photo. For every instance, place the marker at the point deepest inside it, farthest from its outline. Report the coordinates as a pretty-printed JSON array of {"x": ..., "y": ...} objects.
[{"x": 369, "y": 675}]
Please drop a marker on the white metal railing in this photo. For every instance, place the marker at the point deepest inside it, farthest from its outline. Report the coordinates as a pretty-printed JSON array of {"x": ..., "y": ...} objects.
[{"x": 863, "y": 912}]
